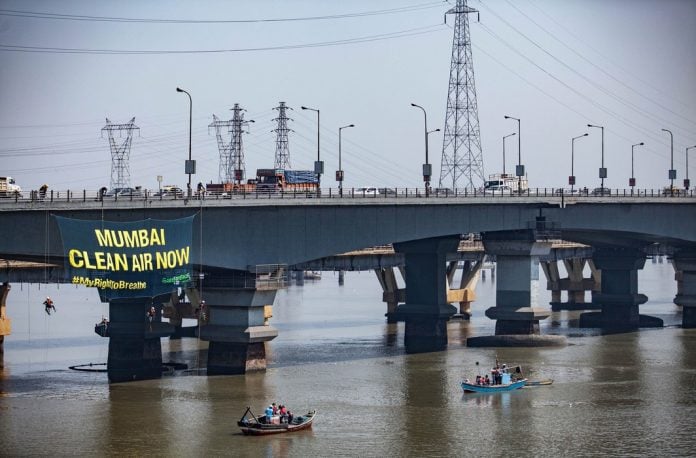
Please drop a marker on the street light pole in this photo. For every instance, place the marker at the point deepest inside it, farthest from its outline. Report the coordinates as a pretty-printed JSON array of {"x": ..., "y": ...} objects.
[
  {"x": 504, "y": 137},
  {"x": 427, "y": 169},
  {"x": 571, "y": 178},
  {"x": 190, "y": 165},
  {"x": 687, "y": 183},
  {"x": 318, "y": 165},
  {"x": 339, "y": 172},
  {"x": 672, "y": 174},
  {"x": 519, "y": 170},
  {"x": 632, "y": 180},
  {"x": 602, "y": 169}
]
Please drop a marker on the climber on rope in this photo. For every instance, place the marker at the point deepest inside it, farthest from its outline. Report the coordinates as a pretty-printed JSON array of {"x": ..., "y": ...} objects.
[{"x": 48, "y": 303}]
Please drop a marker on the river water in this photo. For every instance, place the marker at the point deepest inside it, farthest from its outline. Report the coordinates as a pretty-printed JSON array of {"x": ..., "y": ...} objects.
[{"x": 629, "y": 394}]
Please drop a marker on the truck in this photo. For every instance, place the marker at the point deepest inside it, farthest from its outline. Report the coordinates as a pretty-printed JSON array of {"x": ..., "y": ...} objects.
[
  {"x": 8, "y": 187},
  {"x": 227, "y": 188},
  {"x": 280, "y": 180},
  {"x": 505, "y": 183}
]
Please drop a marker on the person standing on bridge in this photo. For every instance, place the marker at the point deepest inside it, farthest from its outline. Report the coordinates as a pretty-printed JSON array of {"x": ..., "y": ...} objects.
[{"x": 48, "y": 304}]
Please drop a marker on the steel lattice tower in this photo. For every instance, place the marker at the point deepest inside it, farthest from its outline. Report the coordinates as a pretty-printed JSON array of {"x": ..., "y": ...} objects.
[
  {"x": 282, "y": 154},
  {"x": 236, "y": 148},
  {"x": 461, "y": 147},
  {"x": 120, "y": 155},
  {"x": 225, "y": 171}
]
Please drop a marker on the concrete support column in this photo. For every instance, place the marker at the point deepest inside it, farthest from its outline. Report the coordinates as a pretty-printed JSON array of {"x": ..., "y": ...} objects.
[
  {"x": 5, "y": 322},
  {"x": 465, "y": 293},
  {"x": 517, "y": 263},
  {"x": 553, "y": 280},
  {"x": 619, "y": 297},
  {"x": 391, "y": 294},
  {"x": 426, "y": 310},
  {"x": 236, "y": 328},
  {"x": 685, "y": 266},
  {"x": 575, "y": 284},
  {"x": 134, "y": 341}
]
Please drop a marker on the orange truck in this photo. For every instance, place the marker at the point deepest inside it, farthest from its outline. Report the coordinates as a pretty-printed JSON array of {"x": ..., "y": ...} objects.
[{"x": 279, "y": 180}]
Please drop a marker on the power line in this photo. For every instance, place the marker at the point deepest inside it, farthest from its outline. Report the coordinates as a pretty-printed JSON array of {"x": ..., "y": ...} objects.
[
  {"x": 612, "y": 61},
  {"x": 76, "y": 17},
  {"x": 609, "y": 93},
  {"x": 365, "y": 39}
]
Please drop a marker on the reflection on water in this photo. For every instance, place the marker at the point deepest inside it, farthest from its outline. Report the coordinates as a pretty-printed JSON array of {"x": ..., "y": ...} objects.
[{"x": 335, "y": 353}]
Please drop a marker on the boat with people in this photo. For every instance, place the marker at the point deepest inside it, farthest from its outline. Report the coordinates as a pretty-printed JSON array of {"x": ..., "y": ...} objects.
[
  {"x": 501, "y": 379},
  {"x": 266, "y": 424}
]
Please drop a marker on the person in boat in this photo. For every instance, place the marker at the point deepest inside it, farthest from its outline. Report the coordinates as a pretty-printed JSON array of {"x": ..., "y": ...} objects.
[
  {"x": 275, "y": 408},
  {"x": 48, "y": 304},
  {"x": 283, "y": 411},
  {"x": 269, "y": 414},
  {"x": 487, "y": 381},
  {"x": 290, "y": 416}
]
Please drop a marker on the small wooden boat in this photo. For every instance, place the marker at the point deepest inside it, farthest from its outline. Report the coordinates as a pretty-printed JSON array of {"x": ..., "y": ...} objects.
[
  {"x": 252, "y": 425},
  {"x": 547, "y": 381},
  {"x": 509, "y": 386}
]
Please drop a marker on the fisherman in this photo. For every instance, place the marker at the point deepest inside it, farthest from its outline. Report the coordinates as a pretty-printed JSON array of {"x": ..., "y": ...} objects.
[
  {"x": 48, "y": 303},
  {"x": 269, "y": 414}
]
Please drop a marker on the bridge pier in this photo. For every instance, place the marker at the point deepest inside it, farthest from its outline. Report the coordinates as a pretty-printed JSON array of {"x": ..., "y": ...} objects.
[
  {"x": 426, "y": 310},
  {"x": 465, "y": 293},
  {"x": 391, "y": 294},
  {"x": 135, "y": 352},
  {"x": 5, "y": 322},
  {"x": 517, "y": 317},
  {"x": 619, "y": 297},
  {"x": 575, "y": 284},
  {"x": 236, "y": 328},
  {"x": 685, "y": 267}
]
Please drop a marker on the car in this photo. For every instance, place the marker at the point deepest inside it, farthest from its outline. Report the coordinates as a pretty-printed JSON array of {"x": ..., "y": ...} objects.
[
  {"x": 124, "y": 192},
  {"x": 367, "y": 191},
  {"x": 601, "y": 192},
  {"x": 169, "y": 191},
  {"x": 566, "y": 192}
]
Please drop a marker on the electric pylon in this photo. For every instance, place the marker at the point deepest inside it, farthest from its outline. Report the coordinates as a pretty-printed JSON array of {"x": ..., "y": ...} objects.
[
  {"x": 120, "y": 154},
  {"x": 237, "y": 150},
  {"x": 461, "y": 147},
  {"x": 225, "y": 148},
  {"x": 282, "y": 154}
]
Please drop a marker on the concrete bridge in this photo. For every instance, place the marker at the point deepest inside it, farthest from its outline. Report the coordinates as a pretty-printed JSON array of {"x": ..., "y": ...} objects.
[{"x": 234, "y": 239}]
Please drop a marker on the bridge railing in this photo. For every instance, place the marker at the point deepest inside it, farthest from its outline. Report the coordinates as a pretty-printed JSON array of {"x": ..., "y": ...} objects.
[{"x": 333, "y": 193}]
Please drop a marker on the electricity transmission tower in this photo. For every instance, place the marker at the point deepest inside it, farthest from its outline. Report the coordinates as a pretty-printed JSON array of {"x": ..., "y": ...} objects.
[
  {"x": 461, "y": 147},
  {"x": 236, "y": 148},
  {"x": 282, "y": 154},
  {"x": 120, "y": 170},
  {"x": 225, "y": 148}
]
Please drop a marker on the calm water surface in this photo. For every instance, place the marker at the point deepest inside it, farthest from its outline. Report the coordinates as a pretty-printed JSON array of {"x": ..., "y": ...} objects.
[{"x": 631, "y": 394}]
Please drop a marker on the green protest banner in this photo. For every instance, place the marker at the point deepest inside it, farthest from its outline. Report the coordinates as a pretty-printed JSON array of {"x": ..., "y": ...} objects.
[{"x": 127, "y": 259}]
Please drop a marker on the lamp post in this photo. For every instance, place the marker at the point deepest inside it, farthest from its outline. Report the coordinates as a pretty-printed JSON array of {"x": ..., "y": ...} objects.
[
  {"x": 602, "y": 169},
  {"x": 504, "y": 137},
  {"x": 427, "y": 169},
  {"x": 687, "y": 183},
  {"x": 571, "y": 178},
  {"x": 190, "y": 165},
  {"x": 318, "y": 164},
  {"x": 672, "y": 174},
  {"x": 519, "y": 170},
  {"x": 632, "y": 180},
  {"x": 339, "y": 172}
]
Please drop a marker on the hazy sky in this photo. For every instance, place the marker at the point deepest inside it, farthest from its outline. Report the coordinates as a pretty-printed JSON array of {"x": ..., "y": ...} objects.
[{"x": 629, "y": 65}]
